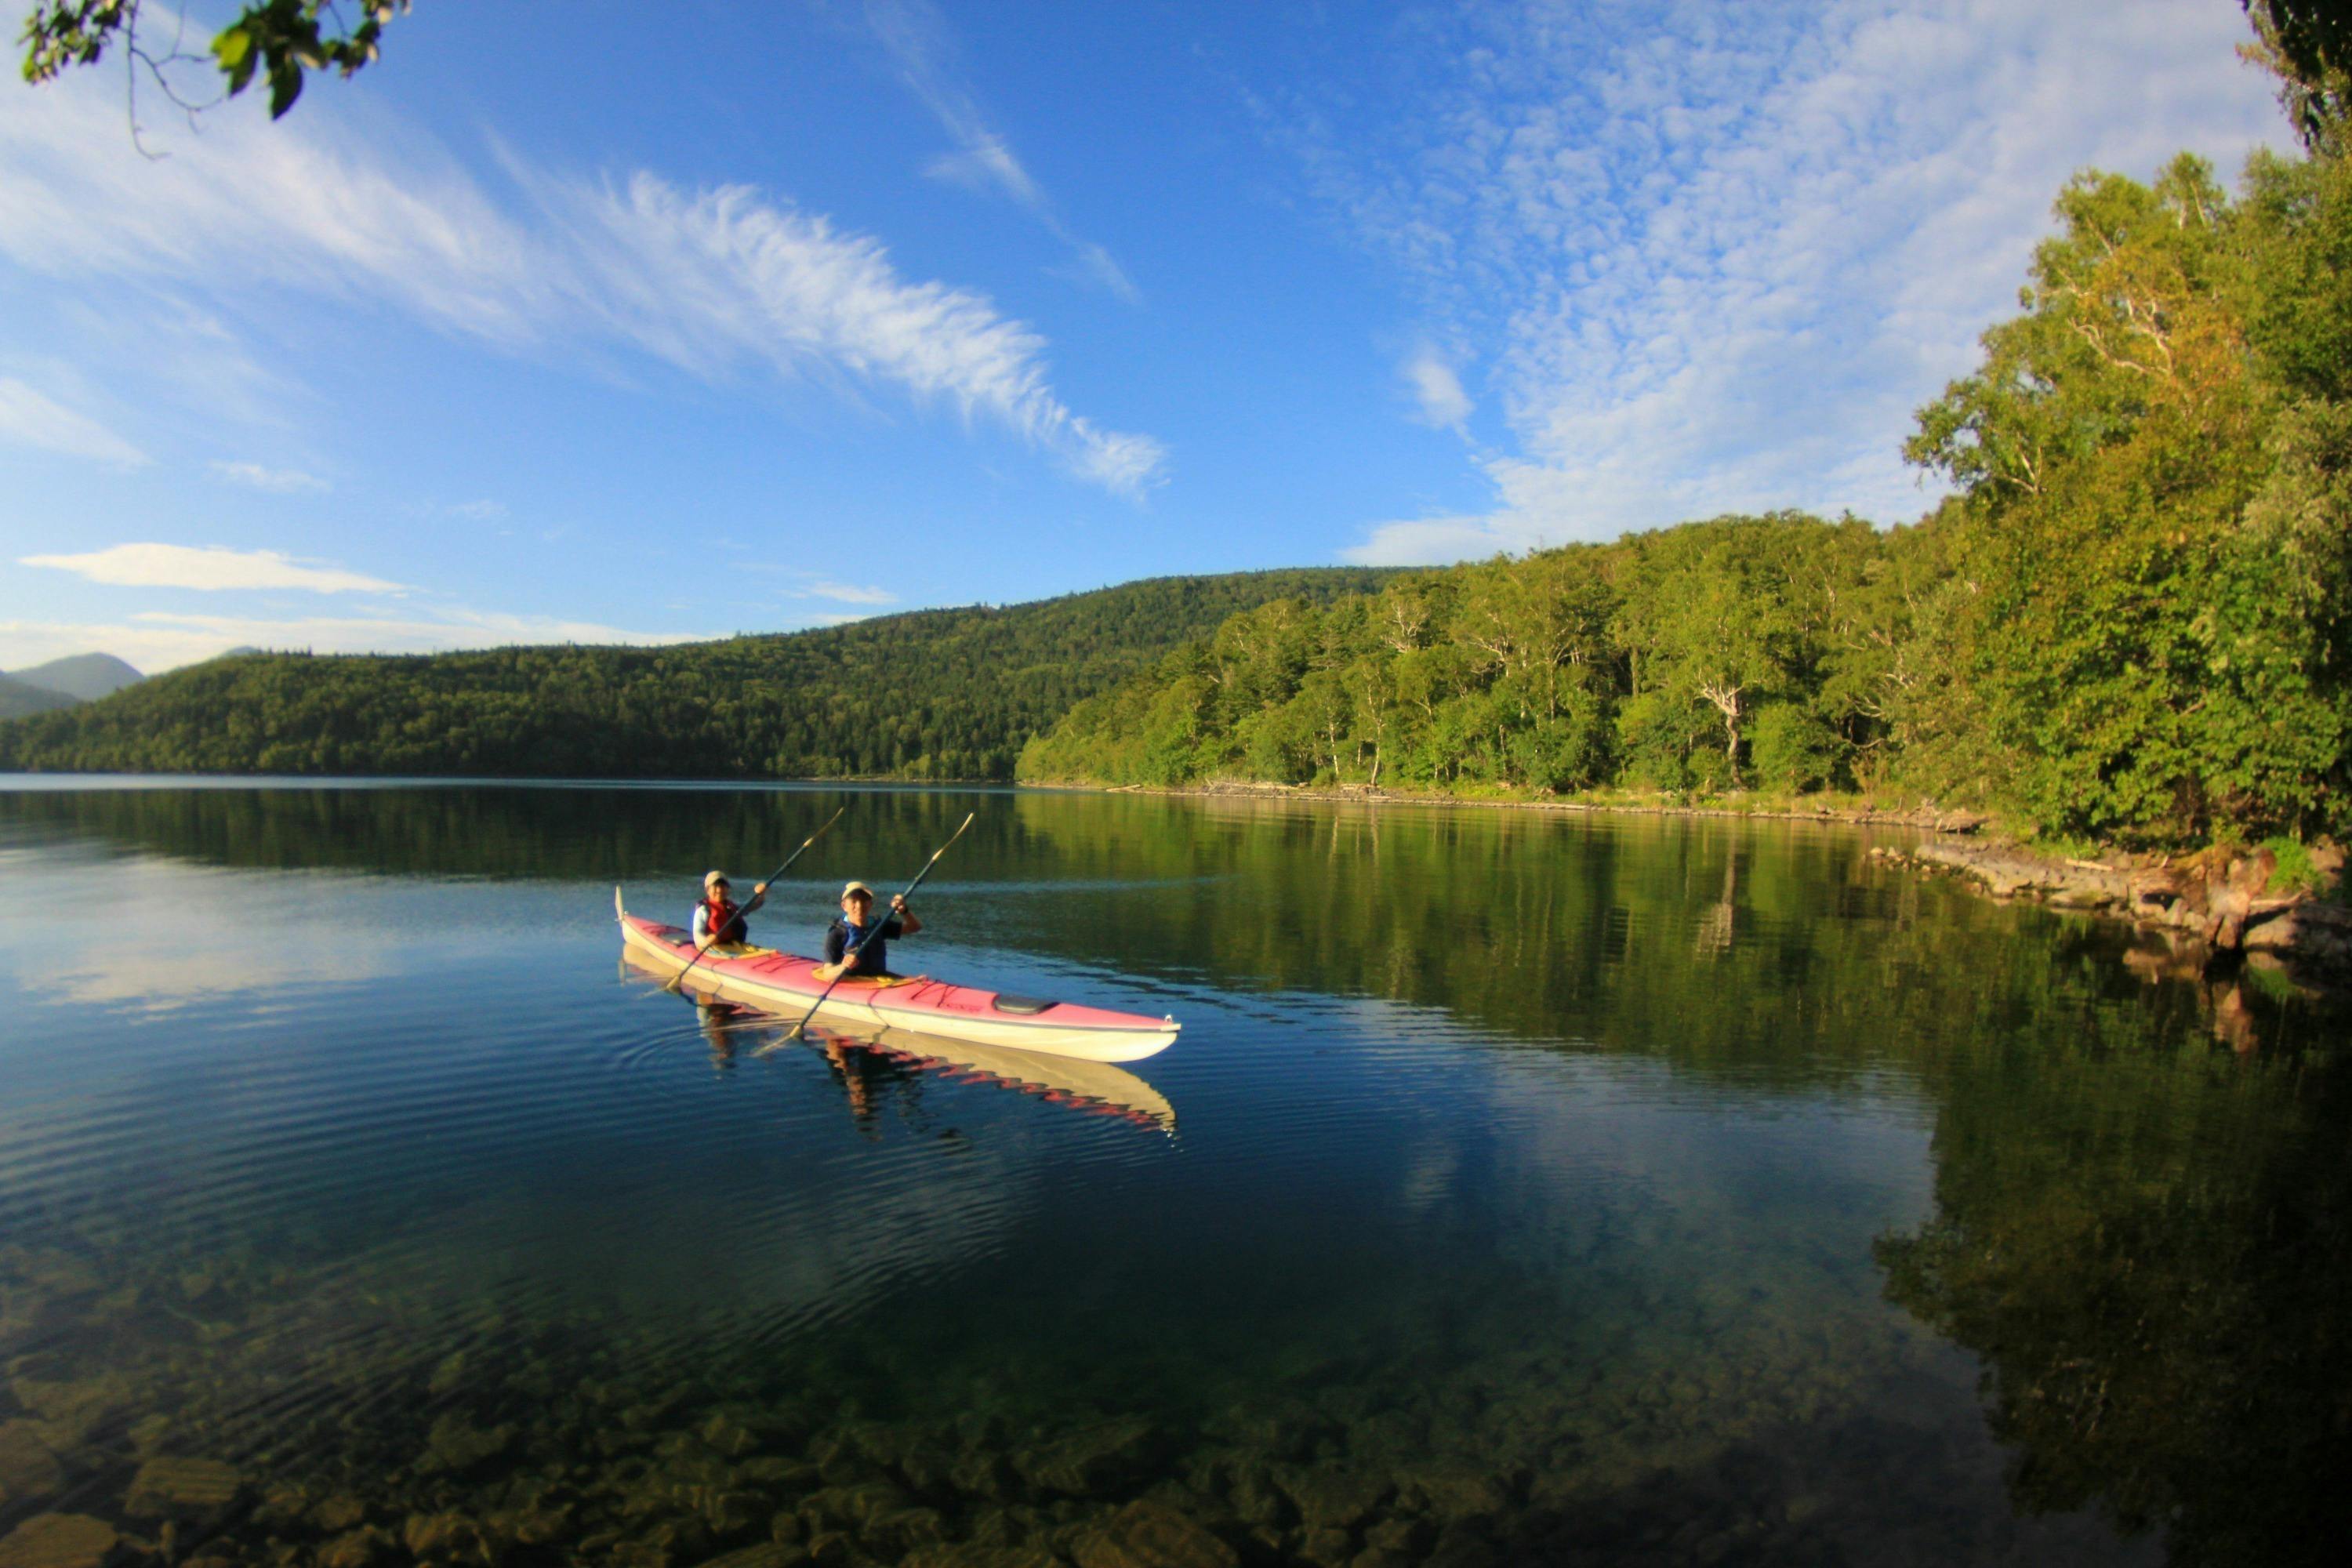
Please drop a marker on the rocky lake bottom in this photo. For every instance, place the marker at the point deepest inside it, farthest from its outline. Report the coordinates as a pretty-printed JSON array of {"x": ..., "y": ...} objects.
[{"x": 1520, "y": 1191}]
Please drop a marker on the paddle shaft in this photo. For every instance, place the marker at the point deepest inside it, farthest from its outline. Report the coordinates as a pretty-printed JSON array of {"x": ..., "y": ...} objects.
[
  {"x": 850, "y": 957},
  {"x": 679, "y": 978}
]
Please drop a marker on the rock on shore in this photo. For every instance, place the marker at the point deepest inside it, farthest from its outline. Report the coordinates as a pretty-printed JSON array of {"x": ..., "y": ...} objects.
[{"x": 2223, "y": 901}]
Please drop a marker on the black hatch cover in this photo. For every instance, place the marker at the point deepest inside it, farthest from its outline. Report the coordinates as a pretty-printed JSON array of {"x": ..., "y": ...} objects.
[{"x": 1008, "y": 1003}]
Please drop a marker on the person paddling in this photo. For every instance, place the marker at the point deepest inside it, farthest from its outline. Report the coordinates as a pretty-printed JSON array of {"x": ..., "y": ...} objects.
[
  {"x": 717, "y": 920},
  {"x": 852, "y": 946}
]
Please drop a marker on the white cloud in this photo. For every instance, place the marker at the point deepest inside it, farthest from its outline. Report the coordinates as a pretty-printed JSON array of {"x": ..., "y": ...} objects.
[
  {"x": 916, "y": 38},
  {"x": 157, "y": 641},
  {"x": 1437, "y": 390},
  {"x": 210, "y": 569},
  {"x": 711, "y": 280},
  {"x": 846, "y": 594},
  {"x": 481, "y": 510},
  {"x": 277, "y": 481},
  {"x": 29, "y": 419},
  {"x": 1717, "y": 253}
]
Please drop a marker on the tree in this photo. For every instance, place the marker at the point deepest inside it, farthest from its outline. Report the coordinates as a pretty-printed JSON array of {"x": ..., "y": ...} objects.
[
  {"x": 277, "y": 40},
  {"x": 2308, "y": 44}
]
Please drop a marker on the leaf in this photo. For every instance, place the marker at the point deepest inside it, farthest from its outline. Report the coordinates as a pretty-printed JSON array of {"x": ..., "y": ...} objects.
[
  {"x": 233, "y": 49},
  {"x": 285, "y": 87}
]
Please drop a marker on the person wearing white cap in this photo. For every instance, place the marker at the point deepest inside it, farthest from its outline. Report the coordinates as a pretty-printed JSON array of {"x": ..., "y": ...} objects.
[
  {"x": 852, "y": 933},
  {"x": 719, "y": 913}
]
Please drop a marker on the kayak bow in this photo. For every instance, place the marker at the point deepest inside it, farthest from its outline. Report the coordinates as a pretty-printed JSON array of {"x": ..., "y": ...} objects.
[{"x": 786, "y": 984}]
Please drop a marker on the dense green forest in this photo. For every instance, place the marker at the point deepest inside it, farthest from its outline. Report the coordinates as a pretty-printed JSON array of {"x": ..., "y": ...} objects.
[
  {"x": 2129, "y": 623},
  {"x": 17, "y": 698},
  {"x": 936, "y": 694}
]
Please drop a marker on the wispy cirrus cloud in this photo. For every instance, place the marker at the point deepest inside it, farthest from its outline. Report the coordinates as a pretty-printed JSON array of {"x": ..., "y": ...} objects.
[
  {"x": 30, "y": 418},
  {"x": 1709, "y": 256},
  {"x": 715, "y": 280},
  {"x": 208, "y": 570},
  {"x": 918, "y": 40},
  {"x": 843, "y": 593},
  {"x": 277, "y": 481}
]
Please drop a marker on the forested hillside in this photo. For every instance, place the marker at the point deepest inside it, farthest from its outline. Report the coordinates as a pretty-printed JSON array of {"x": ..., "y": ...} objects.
[
  {"x": 936, "y": 694},
  {"x": 2130, "y": 623},
  {"x": 18, "y": 698}
]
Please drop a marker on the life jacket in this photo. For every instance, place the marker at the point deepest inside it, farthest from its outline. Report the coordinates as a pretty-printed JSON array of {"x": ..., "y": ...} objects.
[{"x": 721, "y": 921}]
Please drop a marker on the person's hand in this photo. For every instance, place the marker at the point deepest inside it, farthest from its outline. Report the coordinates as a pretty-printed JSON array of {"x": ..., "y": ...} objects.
[
  {"x": 760, "y": 889},
  {"x": 897, "y": 903}
]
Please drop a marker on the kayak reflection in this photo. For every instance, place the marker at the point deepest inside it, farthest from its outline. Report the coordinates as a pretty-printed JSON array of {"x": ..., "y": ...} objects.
[{"x": 865, "y": 1062}]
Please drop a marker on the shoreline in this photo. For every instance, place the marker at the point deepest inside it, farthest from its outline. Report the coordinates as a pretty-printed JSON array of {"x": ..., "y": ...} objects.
[{"x": 2212, "y": 909}]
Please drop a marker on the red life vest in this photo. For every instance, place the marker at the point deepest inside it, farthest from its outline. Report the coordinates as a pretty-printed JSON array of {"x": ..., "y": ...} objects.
[{"x": 721, "y": 921}]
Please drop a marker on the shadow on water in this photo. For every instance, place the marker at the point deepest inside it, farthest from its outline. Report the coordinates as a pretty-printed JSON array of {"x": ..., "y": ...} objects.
[{"x": 1552, "y": 1189}]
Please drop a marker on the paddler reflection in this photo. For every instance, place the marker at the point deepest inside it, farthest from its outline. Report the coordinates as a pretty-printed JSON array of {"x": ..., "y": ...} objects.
[
  {"x": 854, "y": 1071},
  {"x": 718, "y": 1022}
]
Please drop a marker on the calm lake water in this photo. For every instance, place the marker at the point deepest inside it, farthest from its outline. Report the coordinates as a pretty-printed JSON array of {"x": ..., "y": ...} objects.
[{"x": 1525, "y": 1188}]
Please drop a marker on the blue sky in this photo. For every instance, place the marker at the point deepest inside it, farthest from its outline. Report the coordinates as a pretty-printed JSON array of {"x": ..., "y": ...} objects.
[{"x": 606, "y": 322}]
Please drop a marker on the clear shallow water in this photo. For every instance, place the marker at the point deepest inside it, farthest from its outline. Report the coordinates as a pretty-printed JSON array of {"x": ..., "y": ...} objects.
[{"x": 1524, "y": 1188}]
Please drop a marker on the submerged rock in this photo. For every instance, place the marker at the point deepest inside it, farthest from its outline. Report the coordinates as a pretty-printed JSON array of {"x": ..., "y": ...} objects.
[
  {"x": 28, "y": 1471},
  {"x": 1334, "y": 1498},
  {"x": 72, "y": 1413},
  {"x": 1146, "y": 1534},
  {"x": 891, "y": 1535},
  {"x": 972, "y": 1554},
  {"x": 456, "y": 1446},
  {"x": 1093, "y": 1459},
  {"x": 444, "y": 1538},
  {"x": 767, "y": 1554},
  {"x": 1447, "y": 1495},
  {"x": 368, "y": 1548},
  {"x": 57, "y": 1540},
  {"x": 179, "y": 1487}
]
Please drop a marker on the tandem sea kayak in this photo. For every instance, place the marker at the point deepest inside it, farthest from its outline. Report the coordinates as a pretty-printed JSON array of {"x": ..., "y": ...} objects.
[{"x": 785, "y": 985}]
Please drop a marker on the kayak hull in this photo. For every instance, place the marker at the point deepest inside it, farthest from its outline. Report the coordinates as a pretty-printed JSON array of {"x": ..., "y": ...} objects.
[{"x": 785, "y": 985}]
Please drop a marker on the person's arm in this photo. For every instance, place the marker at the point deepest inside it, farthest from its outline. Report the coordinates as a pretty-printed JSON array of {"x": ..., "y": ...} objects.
[
  {"x": 758, "y": 897},
  {"x": 836, "y": 943},
  {"x": 903, "y": 921},
  {"x": 701, "y": 923}
]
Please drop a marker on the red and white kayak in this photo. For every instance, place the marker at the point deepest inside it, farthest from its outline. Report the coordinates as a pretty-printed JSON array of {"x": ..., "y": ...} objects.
[{"x": 785, "y": 985}]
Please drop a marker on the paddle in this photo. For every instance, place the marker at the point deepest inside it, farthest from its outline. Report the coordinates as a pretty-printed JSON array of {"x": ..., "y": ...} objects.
[
  {"x": 679, "y": 978},
  {"x": 851, "y": 956}
]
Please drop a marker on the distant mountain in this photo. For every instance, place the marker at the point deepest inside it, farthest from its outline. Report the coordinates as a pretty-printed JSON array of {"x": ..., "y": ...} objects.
[
  {"x": 18, "y": 699},
  {"x": 86, "y": 677},
  {"x": 930, "y": 694}
]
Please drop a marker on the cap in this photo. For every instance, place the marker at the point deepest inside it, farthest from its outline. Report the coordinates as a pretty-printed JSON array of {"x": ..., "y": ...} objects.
[
  {"x": 712, "y": 879},
  {"x": 856, "y": 888}
]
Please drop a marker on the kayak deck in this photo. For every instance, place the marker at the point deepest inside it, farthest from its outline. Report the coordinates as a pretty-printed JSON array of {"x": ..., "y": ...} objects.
[{"x": 786, "y": 984}]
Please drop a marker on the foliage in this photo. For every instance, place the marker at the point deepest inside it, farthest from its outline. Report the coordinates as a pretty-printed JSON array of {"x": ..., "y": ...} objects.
[
  {"x": 18, "y": 698},
  {"x": 938, "y": 694},
  {"x": 2127, "y": 625},
  {"x": 2307, "y": 44},
  {"x": 1684, "y": 659},
  {"x": 2154, "y": 513},
  {"x": 278, "y": 40}
]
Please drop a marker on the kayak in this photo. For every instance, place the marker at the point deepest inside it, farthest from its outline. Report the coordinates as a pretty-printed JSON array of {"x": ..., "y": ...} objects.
[
  {"x": 1083, "y": 1086},
  {"x": 786, "y": 984}
]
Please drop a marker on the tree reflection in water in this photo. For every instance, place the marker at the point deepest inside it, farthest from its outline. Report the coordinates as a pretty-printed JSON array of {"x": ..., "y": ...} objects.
[{"x": 2153, "y": 1255}]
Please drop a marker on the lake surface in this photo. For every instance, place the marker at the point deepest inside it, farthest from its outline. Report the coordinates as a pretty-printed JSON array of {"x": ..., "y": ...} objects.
[{"x": 1525, "y": 1187}]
